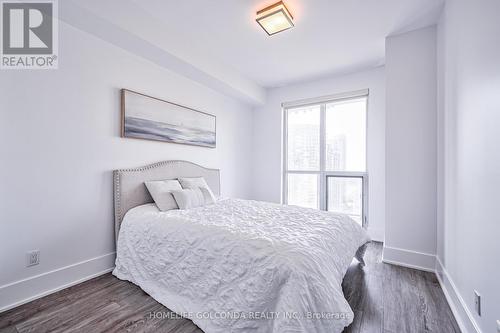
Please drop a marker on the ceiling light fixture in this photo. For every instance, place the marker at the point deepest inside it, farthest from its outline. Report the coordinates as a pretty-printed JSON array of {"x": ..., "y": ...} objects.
[{"x": 275, "y": 18}]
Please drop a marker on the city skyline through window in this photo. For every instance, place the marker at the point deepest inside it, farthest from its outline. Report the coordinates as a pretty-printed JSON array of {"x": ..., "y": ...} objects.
[{"x": 325, "y": 156}]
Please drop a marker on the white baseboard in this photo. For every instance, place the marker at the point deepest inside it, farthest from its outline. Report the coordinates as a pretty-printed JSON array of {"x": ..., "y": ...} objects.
[
  {"x": 462, "y": 314},
  {"x": 431, "y": 263},
  {"x": 29, "y": 289},
  {"x": 410, "y": 259}
]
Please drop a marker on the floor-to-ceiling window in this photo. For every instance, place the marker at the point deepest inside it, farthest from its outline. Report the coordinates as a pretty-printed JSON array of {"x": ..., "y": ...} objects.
[{"x": 324, "y": 163}]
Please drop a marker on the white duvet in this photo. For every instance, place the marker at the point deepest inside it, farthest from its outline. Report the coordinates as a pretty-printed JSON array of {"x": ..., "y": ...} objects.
[{"x": 243, "y": 266}]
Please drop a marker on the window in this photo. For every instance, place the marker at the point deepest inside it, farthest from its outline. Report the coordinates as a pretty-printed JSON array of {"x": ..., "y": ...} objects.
[{"x": 325, "y": 154}]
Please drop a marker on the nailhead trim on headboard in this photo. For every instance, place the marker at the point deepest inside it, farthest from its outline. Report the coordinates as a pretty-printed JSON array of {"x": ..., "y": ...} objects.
[{"x": 117, "y": 187}]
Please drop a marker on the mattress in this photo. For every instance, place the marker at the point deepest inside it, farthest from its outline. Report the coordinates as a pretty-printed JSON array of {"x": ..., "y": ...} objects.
[{"x": 242, "y": 265}]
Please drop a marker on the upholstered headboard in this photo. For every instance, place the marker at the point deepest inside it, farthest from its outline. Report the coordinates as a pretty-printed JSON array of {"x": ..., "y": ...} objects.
[{"x": 130, "y": 191}]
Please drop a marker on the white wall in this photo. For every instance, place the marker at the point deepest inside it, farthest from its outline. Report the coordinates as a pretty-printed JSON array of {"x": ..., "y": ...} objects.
[
  {"x": 410, "y": 233},
  {"x": 267, "y": 137},
  {"x": 60, "y": 141},
  {"x": 469, "y": 170}
]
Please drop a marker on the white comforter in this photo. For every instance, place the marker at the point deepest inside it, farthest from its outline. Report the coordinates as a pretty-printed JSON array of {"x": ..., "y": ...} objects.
[{"x": 243, "y": 266}]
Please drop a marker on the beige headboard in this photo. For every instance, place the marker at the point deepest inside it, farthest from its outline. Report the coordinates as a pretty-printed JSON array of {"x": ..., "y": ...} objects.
[{"x": 130, "y": 191}]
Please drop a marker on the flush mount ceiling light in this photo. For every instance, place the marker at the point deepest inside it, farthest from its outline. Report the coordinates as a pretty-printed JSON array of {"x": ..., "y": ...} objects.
[{"x": 275, "y": 18}]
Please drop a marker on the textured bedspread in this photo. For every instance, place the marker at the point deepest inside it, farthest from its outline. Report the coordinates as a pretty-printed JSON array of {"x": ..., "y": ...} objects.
[{"x": 243, "y": 266}]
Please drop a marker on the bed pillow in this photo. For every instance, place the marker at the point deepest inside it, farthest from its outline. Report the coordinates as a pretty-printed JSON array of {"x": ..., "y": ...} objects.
[
  {"x": 192, "y": 197},
  {"x": 161, "y": 191},
  {"x": 196, "y": 182}
]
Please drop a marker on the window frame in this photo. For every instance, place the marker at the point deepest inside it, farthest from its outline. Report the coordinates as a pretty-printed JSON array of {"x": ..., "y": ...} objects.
[
  {"x": 322, "y": 173},
  {"x": 364, "y": 189}
]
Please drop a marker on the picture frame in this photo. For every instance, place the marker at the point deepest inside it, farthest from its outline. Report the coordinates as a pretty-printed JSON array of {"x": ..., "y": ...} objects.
[{"x": 150, "y": 118}]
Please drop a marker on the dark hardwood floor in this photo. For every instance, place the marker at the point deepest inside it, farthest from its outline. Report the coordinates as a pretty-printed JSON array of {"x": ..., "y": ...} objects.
[
  {"x": 385, "y": 298},
  {"x": 392, "y": 299}
]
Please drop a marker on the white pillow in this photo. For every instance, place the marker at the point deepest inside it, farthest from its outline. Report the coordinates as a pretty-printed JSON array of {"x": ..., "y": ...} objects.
[
  {"x": 196, "y": 182},
  {"x": 192, "y": 197},
  {"x": 161, "y": 190}
]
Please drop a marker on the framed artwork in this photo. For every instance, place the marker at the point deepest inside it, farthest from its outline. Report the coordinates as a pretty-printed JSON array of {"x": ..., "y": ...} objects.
[{"x": 150, "y": 118}]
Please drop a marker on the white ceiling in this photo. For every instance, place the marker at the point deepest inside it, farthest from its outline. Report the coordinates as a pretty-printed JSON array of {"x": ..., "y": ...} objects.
[{"x": 330, "y": 36}]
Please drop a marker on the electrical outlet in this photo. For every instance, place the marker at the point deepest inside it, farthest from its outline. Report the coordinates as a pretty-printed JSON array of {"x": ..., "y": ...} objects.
[
  {"x": 477, "y": 302},
  {"x": 32, "y": 258}
]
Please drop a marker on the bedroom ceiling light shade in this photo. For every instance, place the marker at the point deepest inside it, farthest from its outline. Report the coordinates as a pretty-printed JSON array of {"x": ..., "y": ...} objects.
[{"x": 275, "y": 18}]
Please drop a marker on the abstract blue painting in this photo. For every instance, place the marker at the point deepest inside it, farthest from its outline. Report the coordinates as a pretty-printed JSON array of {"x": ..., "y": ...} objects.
[{"x": 145, "y": 117}]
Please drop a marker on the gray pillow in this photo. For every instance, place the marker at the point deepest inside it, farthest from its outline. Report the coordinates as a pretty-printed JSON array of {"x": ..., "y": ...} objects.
[
  {"x": 196, "y": 182},
  {"x": 192, "y": 197},
  {"x": 161, "y": 191}
]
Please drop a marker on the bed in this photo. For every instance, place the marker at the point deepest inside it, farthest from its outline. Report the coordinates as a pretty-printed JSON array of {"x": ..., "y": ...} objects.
[{"x": 235, "y": 265}]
